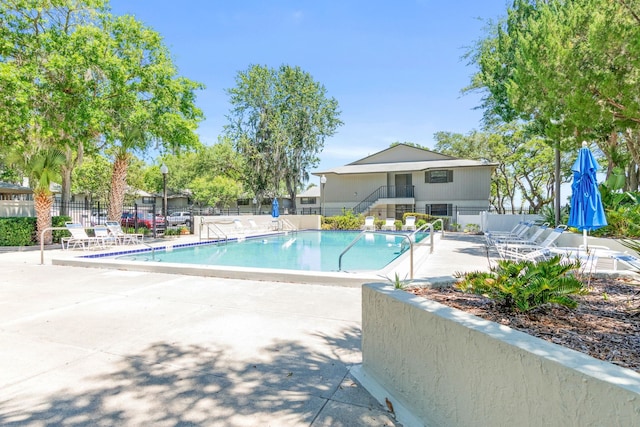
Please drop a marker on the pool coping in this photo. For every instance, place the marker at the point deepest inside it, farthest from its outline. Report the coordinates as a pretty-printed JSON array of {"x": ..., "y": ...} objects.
[{"x": 105, "y": 260}]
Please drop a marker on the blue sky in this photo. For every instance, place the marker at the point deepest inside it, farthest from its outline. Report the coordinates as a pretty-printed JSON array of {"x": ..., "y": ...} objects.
[{"x": 395, "y": 68}]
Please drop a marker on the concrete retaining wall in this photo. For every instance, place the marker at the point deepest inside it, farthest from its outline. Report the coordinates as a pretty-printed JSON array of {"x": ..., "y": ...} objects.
[{"x": 449, "y": 368}]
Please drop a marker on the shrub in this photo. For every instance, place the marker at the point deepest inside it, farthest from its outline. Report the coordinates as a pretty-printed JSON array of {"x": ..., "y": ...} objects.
[
  {"x": 524, "y": 285},
  {"x": 58, "y": 221},
  {"x": 347, "y": 221},
  {"x": 17, "y": 231},
  {"x": 171, "y": 232},
  {"x": 21, "y": 231},
  {"x": 623, "y": 222}
]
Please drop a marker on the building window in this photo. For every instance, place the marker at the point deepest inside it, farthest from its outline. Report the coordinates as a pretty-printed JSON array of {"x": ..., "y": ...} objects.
[
  {"x": 438, "y": 176},
  {"x": 307, "y": 200},
  {"x": 148, "y": 200},
  {"x": 439, "y": 209}
]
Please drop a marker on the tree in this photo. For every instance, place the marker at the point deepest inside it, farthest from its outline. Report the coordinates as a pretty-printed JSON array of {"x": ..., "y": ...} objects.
[
  {"x": 558, "y": 63},
  {"x": 524, "y": 163},
  {"x": 148, "y": 103},
  {"x": 87, "y": 80},
  {"x": 220, "y": 190},
  {"x": 207, "y": 163},
  {"x": 92, "y": 178},
  {"x": 43, "y": 168},
  {"x": 278, "y": 123},
  {"x": 47, "y": 76}
]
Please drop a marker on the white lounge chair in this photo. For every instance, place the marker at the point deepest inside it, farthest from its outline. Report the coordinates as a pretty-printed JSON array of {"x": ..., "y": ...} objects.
[
  {"x": 80, "y": 238},
  {"x": 409, "y": 223},
  {"x": 253, "y": 226},
  {"x": 121, "y": 237},
  {"x": 519, "y": 250},
  {"x": 389, "y": 224},
  {"x": 369, "y": 223},
  {"x": 239, "y": 226},
  {"x": 530, "y": 240},
  {"x": 103, "y": 233},
  {"x": 518, "y": 231}
]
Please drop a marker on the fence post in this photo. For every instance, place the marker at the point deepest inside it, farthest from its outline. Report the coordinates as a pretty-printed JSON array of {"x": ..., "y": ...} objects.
[{"x": 153, "y": 219}]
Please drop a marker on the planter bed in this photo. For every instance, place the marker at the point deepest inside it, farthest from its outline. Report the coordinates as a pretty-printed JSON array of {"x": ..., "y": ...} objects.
[{"x": 439, "y": 366}]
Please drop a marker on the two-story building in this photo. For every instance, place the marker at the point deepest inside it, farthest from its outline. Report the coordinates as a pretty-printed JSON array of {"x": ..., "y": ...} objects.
[{"x": 403, "y": 179}]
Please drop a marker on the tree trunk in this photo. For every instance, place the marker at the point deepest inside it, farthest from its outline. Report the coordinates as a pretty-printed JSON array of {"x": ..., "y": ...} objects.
[
  {"x": 67, "y": 170},
  {"x": 118, "y": 187},
  {"x": 66, "y": 190},
  {"x": 42, "y": 201}
]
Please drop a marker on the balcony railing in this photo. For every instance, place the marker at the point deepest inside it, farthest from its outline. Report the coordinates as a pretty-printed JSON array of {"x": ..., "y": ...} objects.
[{"x": 384, "y": 192}]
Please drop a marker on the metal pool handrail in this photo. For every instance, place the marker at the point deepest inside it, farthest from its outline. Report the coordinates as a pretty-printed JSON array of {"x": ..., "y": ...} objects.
[
  {"x": 288, "y": 223},
  {"x": 404, "y": 236},
  {"x": 42, "y": 241},
  {"x": 431, "y": 231},
  {"x": 209, "y": 224}
]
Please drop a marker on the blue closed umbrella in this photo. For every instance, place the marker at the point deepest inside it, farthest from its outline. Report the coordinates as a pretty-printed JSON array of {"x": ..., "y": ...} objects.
[
  {"x": 275, "y": 209},
  {"x": 587, "y": 212}
]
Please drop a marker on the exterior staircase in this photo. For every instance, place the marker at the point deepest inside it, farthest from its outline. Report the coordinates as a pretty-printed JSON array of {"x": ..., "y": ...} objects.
[{"x": 384, "y": 192}]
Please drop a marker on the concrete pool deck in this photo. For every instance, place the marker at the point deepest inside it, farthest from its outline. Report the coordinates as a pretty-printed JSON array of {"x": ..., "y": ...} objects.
[{"x": 89, "y": 346}]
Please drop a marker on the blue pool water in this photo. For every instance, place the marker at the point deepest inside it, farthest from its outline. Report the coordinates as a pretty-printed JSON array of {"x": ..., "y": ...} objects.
[{"x": 303, "y": 250}]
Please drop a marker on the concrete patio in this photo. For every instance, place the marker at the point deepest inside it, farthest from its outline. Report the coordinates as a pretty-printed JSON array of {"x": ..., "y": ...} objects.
[{"x": 84, "y": 346}]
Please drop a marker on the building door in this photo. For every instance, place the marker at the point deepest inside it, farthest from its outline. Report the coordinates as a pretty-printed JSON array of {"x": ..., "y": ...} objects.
[{"x": 403, "y": 185}]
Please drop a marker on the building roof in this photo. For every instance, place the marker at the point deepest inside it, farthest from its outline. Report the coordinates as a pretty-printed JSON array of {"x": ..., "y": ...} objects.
[
  {"x": 8, "y": 188},
  {"x": 404, "y": 158},
  {"x": 310, "y": 192},
  {"x": 405, "y": 166}
]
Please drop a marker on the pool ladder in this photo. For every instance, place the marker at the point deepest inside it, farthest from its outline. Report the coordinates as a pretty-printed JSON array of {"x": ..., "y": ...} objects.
[
  {"x": 409, "y": 237},
  {"x": 212, "y": 227}
]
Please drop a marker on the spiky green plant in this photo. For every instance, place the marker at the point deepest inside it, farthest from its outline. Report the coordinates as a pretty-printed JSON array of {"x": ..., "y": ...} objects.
[
  {"x": 399, "y": 283},
  {"x": 525, "y": 285}
]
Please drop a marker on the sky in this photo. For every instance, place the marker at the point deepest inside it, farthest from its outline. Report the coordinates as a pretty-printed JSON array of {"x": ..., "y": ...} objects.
[{"x": 396, "y": 68}]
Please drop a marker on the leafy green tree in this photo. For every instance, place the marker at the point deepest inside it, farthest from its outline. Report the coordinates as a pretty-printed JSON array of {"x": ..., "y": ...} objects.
[
  {"x": 524, "y": 163},
  {"x": 221, "y": 190},
  {"x": 42, "y": 167},
  {"x": 81, "y": 79},
  {"x": 149, "y": 103},
  {"x": 559, "y": 64},
  {"x": 46, "y": 77},
  {"x": 208, "y": 162},
  {"x": 92, "y": 177},
  {"x": 278, "y": 123}
]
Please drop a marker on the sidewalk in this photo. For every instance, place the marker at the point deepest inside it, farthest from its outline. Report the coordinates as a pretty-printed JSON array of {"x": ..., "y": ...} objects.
[{"x": 84, "y": 346}]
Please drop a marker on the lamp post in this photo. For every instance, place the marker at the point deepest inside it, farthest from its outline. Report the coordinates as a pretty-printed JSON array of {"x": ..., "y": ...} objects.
[
  {"x": 323, "y": 181},
  {"x": 164, "y": 170}
]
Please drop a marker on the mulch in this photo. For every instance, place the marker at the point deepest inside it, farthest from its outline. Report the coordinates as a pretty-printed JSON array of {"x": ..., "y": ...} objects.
[{"x": 605, "y": 325}]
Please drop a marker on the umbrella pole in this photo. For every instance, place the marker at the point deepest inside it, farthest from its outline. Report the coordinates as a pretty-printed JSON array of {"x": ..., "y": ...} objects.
[{"x": 584, "y": 240}]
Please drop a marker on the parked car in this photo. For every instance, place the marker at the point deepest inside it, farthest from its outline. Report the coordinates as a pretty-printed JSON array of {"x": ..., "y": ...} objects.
[
  {"x": 179, "y": 218},
  {"x": 143, "y": 219}
]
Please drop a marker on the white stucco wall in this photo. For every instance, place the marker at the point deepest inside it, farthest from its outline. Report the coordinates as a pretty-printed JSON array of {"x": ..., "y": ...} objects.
[{"x": 450, "y": 368}]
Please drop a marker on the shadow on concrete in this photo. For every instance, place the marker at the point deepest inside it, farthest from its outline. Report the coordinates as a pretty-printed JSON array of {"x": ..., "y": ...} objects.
[{"x": 169, "y": 384}]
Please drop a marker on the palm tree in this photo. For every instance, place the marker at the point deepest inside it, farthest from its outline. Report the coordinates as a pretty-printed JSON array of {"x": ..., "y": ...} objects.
[{"x": 43, "y": 168}]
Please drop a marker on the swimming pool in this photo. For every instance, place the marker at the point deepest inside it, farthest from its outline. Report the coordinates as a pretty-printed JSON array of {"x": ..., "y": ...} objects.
[{"x": 303, "y": 250}]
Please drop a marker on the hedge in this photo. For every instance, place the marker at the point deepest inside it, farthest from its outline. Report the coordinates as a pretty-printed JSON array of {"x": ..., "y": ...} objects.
[{"x": 21, "y": 231}]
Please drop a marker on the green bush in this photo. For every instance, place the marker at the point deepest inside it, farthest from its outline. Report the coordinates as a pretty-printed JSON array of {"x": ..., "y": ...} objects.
[
  {"x": 347, "y": 221},
  {"x": 171, "y": 232},
  {"x": 58, "y": 221},
  {"x": 17, "y": 231},
  {"x": 623, "y": 222},
  {"x": 21, "y": 231},
  {"x": 524, "y": 285}
]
